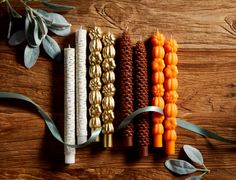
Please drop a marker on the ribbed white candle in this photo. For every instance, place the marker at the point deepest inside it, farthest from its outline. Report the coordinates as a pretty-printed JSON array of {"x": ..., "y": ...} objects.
[
  {"x": 81, "y": 86},
  {"x": 69, "y": 103}
]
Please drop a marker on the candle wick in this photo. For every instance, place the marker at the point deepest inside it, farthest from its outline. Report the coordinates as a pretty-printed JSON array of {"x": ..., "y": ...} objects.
[
  {"x": 69, "y": 46},
  {"x": 157, "y": 30},
  {"x": 81, "y": 27}
]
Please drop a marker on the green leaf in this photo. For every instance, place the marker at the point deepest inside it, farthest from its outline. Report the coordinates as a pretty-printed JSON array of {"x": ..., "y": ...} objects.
[
  {"x": 17, "y": 38},
  {"x": 43, "y": 30},
  {"x": 180, "y": 167},
  {"x": 56, "y": 23},
  {"x": 31, "y": 30},
  {"x": 193, "y": 154},
  {"x": 30, "y": 56},
  {"x": 194, "y": 178},
  {"x": 58, "y": 7},
  {"x": 61, "y": 32},
  {"x": 52, "y": 48}
]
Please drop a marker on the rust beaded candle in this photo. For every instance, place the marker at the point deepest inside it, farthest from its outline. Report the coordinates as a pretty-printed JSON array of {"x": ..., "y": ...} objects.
[
  {"x": 158, "y": 65},
  {"x": 141, "y": 96},
  {"x": 171, "y": 96},
  {"x": 95, "y": 84},
  {"x": 108, "y": 90},
  {"x": 126, "y": 85}
]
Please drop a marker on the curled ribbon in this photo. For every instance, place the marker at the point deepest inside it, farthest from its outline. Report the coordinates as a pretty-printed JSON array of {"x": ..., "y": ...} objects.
[
  {"x": 54, "y": 131},
  {"x": 49, "y": 122}
]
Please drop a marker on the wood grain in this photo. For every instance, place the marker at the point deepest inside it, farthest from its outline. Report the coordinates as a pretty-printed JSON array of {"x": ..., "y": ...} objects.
[{"x": 207, "y": 86}]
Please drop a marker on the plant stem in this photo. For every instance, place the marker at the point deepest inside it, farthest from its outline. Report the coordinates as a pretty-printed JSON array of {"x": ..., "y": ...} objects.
[{"x": 203, "y": 170}]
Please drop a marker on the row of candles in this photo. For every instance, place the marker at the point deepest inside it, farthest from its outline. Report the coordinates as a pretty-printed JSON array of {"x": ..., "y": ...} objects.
[{"x": 132, "y": 89}]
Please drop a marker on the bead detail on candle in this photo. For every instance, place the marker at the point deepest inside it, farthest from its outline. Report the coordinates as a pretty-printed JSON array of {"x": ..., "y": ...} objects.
[
  {"x": 141, "y": 96},
  {"x": 108, "y": 89},
  {"x": 95, "y": 84}
]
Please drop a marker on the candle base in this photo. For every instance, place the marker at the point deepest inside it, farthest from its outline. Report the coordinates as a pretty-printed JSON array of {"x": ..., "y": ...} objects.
[
  {"x": 157, "y": 140},
  {"x": 108, "y": 141},
  {"x": 143, "y": 151},
  {"x": 170, "y": 147},
  {"x": 128, "y": 141},
  {"x": 69, "y": 158}
]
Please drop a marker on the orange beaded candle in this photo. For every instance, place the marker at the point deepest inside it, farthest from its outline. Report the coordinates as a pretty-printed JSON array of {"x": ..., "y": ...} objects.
[
  {"x": 171, "y": 96},
  {"x": 158, "y": 78}
]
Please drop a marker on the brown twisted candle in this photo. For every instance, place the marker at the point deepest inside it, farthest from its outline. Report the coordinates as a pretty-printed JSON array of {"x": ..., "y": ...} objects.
[
  {"x": 126, "y": 85},
  {"x": 141, "y": 96}
]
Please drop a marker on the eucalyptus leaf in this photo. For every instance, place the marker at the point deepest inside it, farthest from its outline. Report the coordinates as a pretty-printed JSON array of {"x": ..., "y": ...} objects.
[
  {"x": 30, "y": 56},
  {"x": 180, "y": 167},
  {"x": 194, "y": 178},
  {"x": 52, "y": 48},
  {"x": 17, "y": 38},
  {"x": 193, "y": 154},
  {"x": 58, "y": 7}
]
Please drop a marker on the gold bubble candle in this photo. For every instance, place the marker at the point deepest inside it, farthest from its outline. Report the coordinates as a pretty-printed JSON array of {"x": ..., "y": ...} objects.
[
  {"x": 108, "y": 90},
  {"x": 69, "y": 104},
  {"x": 81, "y": 85},
  {"x": 95, "y": 84}
]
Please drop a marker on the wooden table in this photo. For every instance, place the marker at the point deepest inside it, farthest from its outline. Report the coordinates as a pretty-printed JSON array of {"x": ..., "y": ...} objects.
[{"x": 207, "y": 90}]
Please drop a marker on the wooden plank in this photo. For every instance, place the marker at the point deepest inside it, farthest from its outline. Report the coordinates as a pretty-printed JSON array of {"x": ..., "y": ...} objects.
[{"x": 207, "y": 84}]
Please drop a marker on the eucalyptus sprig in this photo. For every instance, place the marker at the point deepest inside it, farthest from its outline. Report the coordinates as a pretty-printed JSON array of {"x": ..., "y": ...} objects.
[
  {"x": 37, "y": 24},
  {"x": 183, "y": 167}
]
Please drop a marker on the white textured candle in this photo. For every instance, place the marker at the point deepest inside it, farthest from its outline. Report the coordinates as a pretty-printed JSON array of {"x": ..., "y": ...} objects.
[
  {"x": 69, "y": 98},
  {"x": 81, "y": 89}
]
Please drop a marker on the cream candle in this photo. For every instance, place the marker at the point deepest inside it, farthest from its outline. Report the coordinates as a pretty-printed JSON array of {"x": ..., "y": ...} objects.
[
  {"x": 69, "y": 103},
  {"x": 81, "y": 83}
]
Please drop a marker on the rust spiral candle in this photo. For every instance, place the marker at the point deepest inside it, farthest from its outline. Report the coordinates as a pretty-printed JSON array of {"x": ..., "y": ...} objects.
[
  {"x": 108, "y": 90},
  {"x": 158, "y": 65},
  {"x": 95, "y": 84},
  {"x": 171, "y": 95},
  {"x": 141, "y": 96},
  {"x": 126, "y": 85}
]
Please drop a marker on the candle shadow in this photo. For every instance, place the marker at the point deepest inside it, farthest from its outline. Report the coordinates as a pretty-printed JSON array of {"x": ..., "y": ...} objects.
[{"x": 53, "y": 150}]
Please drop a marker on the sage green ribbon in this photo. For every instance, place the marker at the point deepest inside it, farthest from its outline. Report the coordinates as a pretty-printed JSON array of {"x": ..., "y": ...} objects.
[
  {"x": 54, "y": 131},
  {"x": 180, "y": 122},
  {"x": 49, "y": 122}
]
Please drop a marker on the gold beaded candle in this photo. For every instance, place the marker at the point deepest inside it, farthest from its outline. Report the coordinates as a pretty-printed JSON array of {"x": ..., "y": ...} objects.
[
  {"x": 108, "y": 90},
  {"x": 95, "y": 72}
]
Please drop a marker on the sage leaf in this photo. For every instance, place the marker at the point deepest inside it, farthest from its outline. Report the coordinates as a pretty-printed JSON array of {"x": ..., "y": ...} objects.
[
  {"x": 31, "y": 30},
  {"x": 193, "y": 154},
  {"x": 43, "y": 30},
  {"x": 61, "y": 32},
  {"x": 52, "y": 48},
  {"x": 58, "y": 7},
  {"x": 194, "y": 178},
  {"x": 17, "y": 38},
  {"x": 180, "y": 167},
  {"x": 56, "y": 23},
  {"x": 30, "y": 56}
]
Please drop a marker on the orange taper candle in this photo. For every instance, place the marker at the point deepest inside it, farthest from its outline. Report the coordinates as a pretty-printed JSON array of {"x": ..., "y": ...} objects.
[
  {"x": 158, "y": 65},
  {"x": 171, "y": 96}
]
